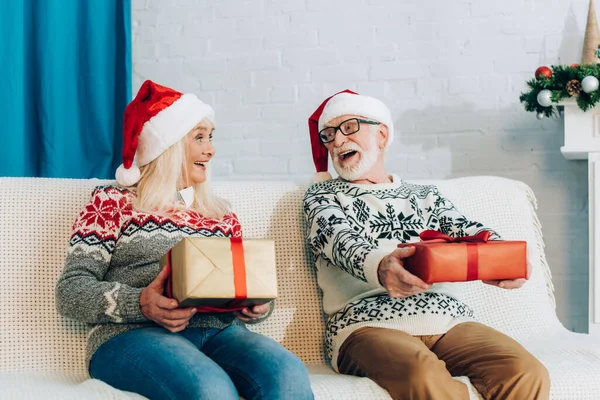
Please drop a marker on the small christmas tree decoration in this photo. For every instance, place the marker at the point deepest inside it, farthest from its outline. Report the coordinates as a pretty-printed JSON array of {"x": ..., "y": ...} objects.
[
  {"x": 544, "y": 98},
  {"x": 590, "y": 84},
  {"x": 591, "y": 41},
  {"x": 543, "y": 72},
  {"x": 573, "y": 87},
  {"x": 540, "y": 116}
]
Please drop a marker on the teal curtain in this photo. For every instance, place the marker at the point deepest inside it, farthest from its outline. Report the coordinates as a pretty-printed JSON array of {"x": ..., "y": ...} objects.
[{"x": 65, "y": 76}]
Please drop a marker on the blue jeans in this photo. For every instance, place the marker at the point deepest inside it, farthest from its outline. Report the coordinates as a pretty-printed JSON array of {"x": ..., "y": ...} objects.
[{"x": 201, "y": 363}]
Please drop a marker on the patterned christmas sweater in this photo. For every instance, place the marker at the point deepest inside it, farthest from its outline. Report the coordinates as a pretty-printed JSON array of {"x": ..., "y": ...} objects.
[
  {"x": 350, "y": 228},
  {"x": 114, "y": 254}
]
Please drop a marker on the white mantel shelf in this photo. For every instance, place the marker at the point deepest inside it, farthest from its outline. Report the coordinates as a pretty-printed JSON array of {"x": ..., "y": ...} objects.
[
  {"x": 582, "y": 131},
  {"x": 582, "y": 142}
]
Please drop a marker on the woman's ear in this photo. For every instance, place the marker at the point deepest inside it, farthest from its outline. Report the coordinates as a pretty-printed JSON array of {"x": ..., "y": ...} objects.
[{"x": 382, "y": 136}]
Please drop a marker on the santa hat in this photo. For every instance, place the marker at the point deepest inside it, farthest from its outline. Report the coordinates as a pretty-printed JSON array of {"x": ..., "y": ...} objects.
[
  {"x": 155, "y": 120},
  {"x": 345, "y": 102}
]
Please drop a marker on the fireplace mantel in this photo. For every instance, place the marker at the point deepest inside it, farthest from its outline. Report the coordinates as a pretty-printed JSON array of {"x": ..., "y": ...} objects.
[
  {"x": 582, "y": 142},
  {"x": 582, "y": 131}
]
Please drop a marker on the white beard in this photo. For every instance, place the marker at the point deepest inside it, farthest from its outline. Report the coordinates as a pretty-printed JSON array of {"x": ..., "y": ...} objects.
[{"x": 367, "y": 160}]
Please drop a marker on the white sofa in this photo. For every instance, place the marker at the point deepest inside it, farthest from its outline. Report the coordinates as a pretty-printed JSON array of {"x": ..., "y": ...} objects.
[{"x": 41, "y": 353}]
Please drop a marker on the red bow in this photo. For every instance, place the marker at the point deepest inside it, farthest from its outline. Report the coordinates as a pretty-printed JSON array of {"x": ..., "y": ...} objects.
[
  {"x": 472, "y": 252},
  {"x": 481, "y": 237}
]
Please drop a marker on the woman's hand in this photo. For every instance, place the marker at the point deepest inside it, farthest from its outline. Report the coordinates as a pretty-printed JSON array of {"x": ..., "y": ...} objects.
[
  {"x": 161, "y": 309},
  {"x": 247, "y": 314}
]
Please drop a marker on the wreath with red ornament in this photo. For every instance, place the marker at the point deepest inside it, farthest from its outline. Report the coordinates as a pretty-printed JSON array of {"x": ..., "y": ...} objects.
[{"x": 554, "y": 84}]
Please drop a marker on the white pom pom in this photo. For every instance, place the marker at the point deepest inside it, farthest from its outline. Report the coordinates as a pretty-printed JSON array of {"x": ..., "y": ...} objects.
[
  {"x": 127, "y": 177},
  {"x": 321, "y": 177}
]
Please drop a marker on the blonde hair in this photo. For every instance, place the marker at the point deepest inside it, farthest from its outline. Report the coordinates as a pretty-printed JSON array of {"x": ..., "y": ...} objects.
[{"x": 161, "y": 180}]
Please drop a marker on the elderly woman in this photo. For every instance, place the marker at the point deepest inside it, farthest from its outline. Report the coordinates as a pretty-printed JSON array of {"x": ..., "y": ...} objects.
[{"x": 140, "y": 340}]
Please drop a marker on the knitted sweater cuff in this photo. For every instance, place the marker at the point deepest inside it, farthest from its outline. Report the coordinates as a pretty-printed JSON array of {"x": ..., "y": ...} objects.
[
  {"x": 130, "y": 298},
  {"x": 265, "y": 315},
  {"x": 371, "y": 266}
]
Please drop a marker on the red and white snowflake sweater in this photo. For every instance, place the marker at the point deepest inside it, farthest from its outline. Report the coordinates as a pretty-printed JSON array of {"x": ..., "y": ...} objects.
[
  {"x": 114, "y": 253},
  {"x": 350, "y": 228}
]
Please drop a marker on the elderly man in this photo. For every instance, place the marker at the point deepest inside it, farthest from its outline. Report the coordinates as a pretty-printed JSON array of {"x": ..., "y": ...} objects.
[{"x": 384, "y": 322}]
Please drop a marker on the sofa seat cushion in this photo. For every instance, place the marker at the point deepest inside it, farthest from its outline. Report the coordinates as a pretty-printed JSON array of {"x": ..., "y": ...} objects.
[
  {"x": 63, "y": 386},
  {"x": 329, "y": 385},
  {"x": 573, "y": 361}
]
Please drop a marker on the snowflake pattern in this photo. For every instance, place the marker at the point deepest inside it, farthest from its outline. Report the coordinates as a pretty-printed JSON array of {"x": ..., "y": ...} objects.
[
  {"x": 344, "y": 234},
  {"x": 106, "y": 210},
  {"x": 109, "y": 215},
  {"x": 346, "y": 222},
  {"x": 361, "y": 210},
  {"x": 392, "y": 225}
]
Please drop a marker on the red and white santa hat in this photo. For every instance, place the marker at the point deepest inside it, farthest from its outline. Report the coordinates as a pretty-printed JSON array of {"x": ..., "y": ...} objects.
[
  {"x": 155, "y": 120},
  {"x": 345, "y": 102}
]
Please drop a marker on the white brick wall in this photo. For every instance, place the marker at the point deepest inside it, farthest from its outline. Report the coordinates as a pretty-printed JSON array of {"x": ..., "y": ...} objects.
[{"x": 451, "y": 72}]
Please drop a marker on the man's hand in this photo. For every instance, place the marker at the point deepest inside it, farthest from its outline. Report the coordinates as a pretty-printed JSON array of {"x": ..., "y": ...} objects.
[
  {"x": 249, "y": 313},
  {"x": 510, "y": 283},
  {"x": 398, "y": 281},
  {"x": 161, "y": 309},
  {"x": 507, "y": 283}
]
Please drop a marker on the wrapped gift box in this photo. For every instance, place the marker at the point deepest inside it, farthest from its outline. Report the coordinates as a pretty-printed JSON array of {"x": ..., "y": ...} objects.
[
  {"x": 222, "y": 273},
  {"x": 440, "y": 258}
]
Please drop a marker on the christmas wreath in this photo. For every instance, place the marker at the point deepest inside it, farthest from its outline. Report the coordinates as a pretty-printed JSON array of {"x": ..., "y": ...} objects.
[{"x": 557, "y": 83}]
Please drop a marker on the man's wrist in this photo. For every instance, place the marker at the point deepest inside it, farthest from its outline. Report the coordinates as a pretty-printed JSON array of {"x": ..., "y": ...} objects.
[
  {"x": 381, "y": 270},
  {"x": 371, "y": 266}
]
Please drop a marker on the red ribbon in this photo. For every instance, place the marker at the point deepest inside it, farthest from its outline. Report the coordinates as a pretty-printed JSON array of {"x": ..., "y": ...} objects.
[
  {"x": 239, "y": 279},
  {"x": 481, "y": 237},
  {"x": 472, "y": 243},
  {"x": 239, "y": 269}
]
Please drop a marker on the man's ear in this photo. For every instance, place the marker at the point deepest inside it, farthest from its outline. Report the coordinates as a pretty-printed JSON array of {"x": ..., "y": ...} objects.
[{"x": 382, "y": 136}]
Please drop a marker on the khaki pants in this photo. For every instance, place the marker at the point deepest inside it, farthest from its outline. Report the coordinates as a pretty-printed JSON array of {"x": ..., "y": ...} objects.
[{"x": 421, "y": 367}]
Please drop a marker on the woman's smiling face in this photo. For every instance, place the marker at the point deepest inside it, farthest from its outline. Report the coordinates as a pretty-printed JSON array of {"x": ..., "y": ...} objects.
[{"x": 199, "y": 151}]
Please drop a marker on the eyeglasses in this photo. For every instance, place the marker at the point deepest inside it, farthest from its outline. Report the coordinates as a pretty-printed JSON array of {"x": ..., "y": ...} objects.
[{"x": 348, "y": 127}]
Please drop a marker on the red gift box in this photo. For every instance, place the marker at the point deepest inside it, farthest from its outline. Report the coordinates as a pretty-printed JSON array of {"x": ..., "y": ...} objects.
[{"x": 441, "y": 258}]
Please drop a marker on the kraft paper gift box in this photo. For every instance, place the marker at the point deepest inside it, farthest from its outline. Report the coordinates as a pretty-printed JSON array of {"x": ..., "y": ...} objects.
[
  {"x": 222, "y": 274},
  {"x": 440, "y": 258}
]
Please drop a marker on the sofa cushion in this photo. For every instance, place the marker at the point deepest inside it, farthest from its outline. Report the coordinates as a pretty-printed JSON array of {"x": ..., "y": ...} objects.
[
  {"x": 36, "y": 216},
  {"x": 61, "y": 386},
  {"x": 35, "y": 224}
]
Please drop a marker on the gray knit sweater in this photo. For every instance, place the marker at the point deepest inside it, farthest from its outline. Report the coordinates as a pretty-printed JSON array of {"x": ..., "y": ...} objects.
[{"x": 114, "y": 254}]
